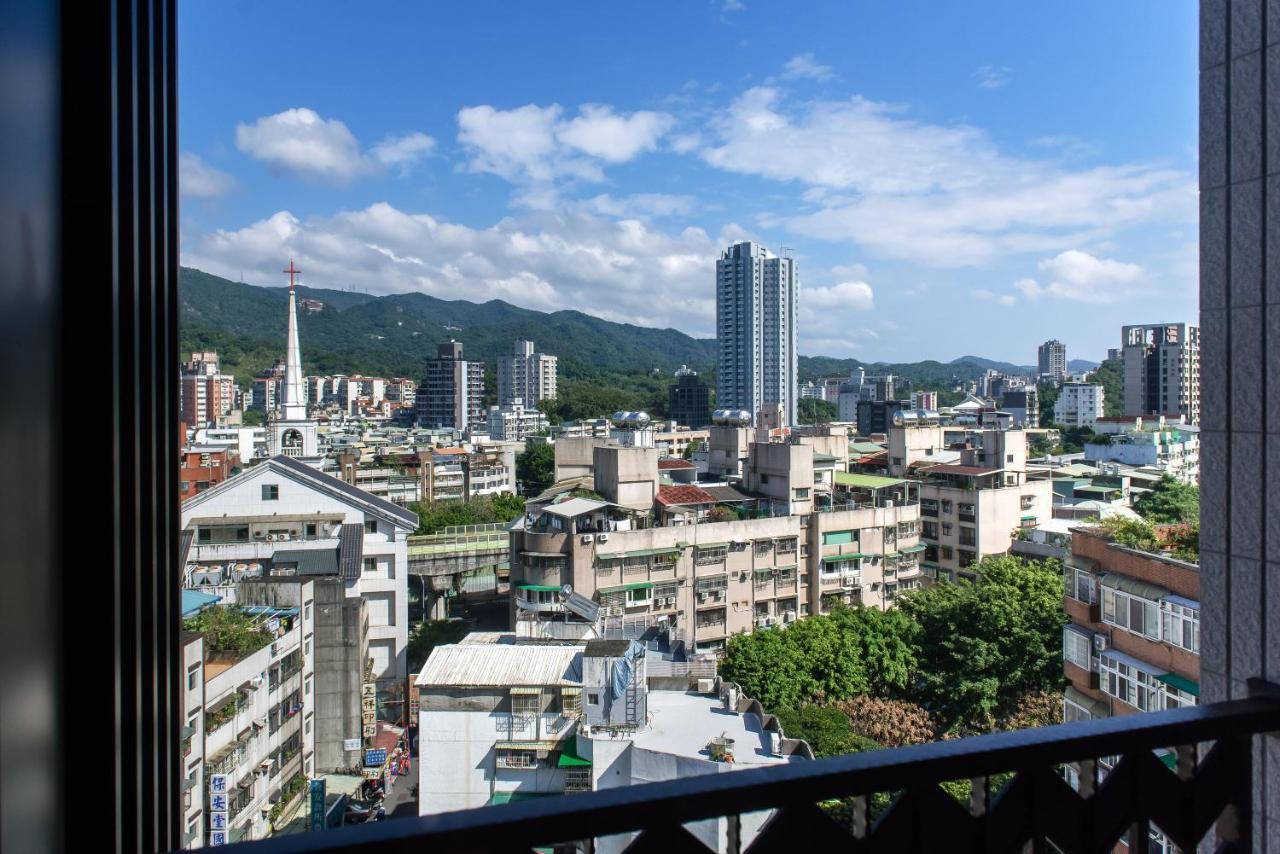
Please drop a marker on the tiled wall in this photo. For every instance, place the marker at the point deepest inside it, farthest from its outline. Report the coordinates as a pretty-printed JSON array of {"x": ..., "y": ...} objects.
[{"x": 1240, "y": 364}]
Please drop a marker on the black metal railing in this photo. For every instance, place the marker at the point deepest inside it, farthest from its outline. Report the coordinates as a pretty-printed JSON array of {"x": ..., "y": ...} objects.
[{"x": 1208, "y": 789}]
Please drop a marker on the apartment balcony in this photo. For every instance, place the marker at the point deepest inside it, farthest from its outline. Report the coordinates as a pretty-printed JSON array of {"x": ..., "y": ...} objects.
[{"x": 1035, "y": 810}]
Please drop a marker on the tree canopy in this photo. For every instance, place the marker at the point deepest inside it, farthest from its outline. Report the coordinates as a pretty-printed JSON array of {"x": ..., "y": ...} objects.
[
  {"x": 825, "y": 728},
  {"x": 434, "y": 516},
  {"x": 833, "y": 656},
  {"x": 982, "y": 645},
  {"x": 811, "y": 410},
  {"x": 1170, "y": 502},
  {"x": 536, "y": 468}
]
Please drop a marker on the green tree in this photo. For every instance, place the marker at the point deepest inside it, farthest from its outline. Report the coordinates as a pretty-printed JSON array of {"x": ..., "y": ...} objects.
[
  {"x": 1170, "y": 502},
  {"x": 825, "y": 728},
  {"x": 811, "y": 410},
  {"x": 1110, "y": 375},
  {"x": 829, "y": 657},
  {"x": 536, "y": 468},
  {"x": 229, "y": 631},
  {"x": 1047, "y": 395},
  {"x": 982, "y": 645},
  {"x": 251, "y": 418},
  {"x": 1134, "y": 533},
  {"x": 434, "y": 516},
  {"x": 427, "y": 635},
  {"x": 1073, "y": 439}
]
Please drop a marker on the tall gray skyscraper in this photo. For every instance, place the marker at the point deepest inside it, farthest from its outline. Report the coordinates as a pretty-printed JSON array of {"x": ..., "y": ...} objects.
[
  {"x": 1053, "y": 360},
  {"x": 756, "y": 294}
]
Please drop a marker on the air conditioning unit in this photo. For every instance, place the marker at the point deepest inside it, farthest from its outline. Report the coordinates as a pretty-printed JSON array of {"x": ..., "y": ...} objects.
[
  {"x": 769, "y": 621},
  {"x": 586, "y": 539},
  {"x": 1100, "y": 643},
  {"x": 761, "y": 622},
  {"x": 702, "y": 597},
  {"x": 602, "y": 538}
]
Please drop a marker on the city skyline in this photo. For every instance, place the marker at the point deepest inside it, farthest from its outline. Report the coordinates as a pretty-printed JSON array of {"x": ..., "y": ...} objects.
[{"x": 576, "y": 186}]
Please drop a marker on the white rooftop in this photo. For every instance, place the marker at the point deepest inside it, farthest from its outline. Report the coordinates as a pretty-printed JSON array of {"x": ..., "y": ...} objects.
[
  {"x": 501, "y": 665},
  {"x": 575, "y": 507},
  {"x": 683, "y": 724}
]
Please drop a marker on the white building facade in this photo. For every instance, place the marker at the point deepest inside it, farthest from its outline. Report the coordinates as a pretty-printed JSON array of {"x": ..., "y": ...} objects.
[
  {"x": 756, "y": 303},
  {"x": 283, "y": 517},
  {"x": 1079, "y": 405},
  {"x": 526, "y": 376}
]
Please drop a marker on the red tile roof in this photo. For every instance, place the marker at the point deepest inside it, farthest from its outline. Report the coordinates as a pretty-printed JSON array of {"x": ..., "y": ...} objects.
[
  {"x": 684, "y": 494},
  {"x": 675, "y": 464}
]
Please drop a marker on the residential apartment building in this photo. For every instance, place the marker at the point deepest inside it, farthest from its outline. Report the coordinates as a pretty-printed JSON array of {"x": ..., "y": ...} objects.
[
  {"x": 756, "y": 299},
  {"x": 1162, "y": 370},
  {"x": 1079, "y": 404},
  {"x": 513, "y": 422},
  {"x": 926, "y": 400},
  {"x": 969, "y": 509},
  {"x": 500, "y": 720},
  {"x": 650, "y": 557},
  {"x": 452, "y": 393},
  {"x": 205, "y": 393},
  {"x": 689, "y": 400},
  {"x": 1171, "y": 447},
  {"x": 284, "y": 517},
  {"x": 201, "y": 467},
  {"x": 526, "y": 376},
  {"x": 1023, "y": 406},
  {"x": 266, "y": 389},
  {"x": 1052, "y": 360},
  {"x": 1132, "y": 643},
  {"x": 248, "y": 731}
]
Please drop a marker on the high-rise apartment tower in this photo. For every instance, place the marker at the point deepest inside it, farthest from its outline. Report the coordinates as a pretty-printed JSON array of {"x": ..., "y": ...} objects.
[
  {"x": 1162, "y": 370},
  {"x": 756, "y": 296}
]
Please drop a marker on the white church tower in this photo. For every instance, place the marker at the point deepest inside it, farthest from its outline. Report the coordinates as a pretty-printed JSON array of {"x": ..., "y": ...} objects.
[{"x": 291, "y": 432}]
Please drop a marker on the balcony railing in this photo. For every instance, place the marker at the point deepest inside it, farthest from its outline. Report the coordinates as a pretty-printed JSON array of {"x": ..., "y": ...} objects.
[{"x": 1034, "y": 809}]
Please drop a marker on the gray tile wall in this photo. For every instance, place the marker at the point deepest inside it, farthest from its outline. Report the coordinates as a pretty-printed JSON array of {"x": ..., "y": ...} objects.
[{"x": 1240, "y": 370}]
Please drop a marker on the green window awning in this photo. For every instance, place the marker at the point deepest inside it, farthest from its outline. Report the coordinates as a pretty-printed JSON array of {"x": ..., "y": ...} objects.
[
  {"x": 1169, "y": 759},
  {"x": 1134, "y": 587},
  {"x": 910, "y": 550},
  {"x": 1026, "y": 516},
  {"x": 839, "y": 558},
  {"x": 499, "y": 798},
  {"x": 723, "y": 545},
  {"x": 837, "y": 538},
  {"x": 1182, "y": 683},
  {"x": 546, "y": 588},
  {"x": 635, "y": 585},
  {"x": 569, "y": 756},
  {"x": 523, "y": 745}
]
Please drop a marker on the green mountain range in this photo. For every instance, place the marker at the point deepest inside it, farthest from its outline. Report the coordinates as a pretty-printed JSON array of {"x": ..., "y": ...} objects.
[{"x": 395, "y": 335}]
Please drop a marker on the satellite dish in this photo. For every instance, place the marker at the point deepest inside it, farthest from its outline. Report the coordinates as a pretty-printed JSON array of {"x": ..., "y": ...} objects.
[{"x": 566, "y": 591}]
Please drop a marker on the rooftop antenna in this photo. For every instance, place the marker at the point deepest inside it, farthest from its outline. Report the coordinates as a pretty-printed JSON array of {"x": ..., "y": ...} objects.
[{"x": 785, "y": 251}]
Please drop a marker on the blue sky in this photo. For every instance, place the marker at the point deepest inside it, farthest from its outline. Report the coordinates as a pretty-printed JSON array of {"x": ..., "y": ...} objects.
[{"x": 952, "y": 178}]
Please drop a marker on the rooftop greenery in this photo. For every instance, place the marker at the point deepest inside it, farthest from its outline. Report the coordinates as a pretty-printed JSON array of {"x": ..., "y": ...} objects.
[{"x": 229, "y": 632}]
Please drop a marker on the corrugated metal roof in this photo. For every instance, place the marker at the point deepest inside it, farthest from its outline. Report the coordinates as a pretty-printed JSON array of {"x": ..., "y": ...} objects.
[
  {"x": 574, "y": 507},
  {"x": 501, "y": 666},
  {"x": 309, "y": 561},
  {"x": 350, "y": 549}
]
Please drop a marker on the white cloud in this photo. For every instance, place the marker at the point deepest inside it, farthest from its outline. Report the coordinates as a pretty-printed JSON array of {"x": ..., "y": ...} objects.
[
  {"x": 804, "y": 66},
  {"x": 642, "y": 204},
  {"x": 851, "y": 295},
  {"x": 685, "y": 142},
  {"x": 1077, "y": 275},
  {"x": 992, "y": 76},
  {"x": 199, "y": 179},
  {"x": 990, "y": 296},
  {"x": 941, "y": 195},
  {"x": 403, "y": 151},
  {"x": 541, "y": 260},
  {"x": 302, "y": 142},
  {"x": 538, "y": 146},
  {"x": 600, "y": 132},
  {"x": 731, "y": 6}
]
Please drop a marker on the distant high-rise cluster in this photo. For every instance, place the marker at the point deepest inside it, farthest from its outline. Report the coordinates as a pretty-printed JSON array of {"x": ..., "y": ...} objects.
[
  {"x": 1162, "y": 370},
  {"x": 756, "y": 296},
  {"x": 1053, "y": 360},
  {"x": 526, "y": 376},
  {"x": 206, "y": 394},
  {"x": 689, "y": 400}
]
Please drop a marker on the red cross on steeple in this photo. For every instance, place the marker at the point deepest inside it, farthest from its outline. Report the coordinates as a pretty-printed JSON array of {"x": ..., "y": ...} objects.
[{"x": 292, "y": 271}]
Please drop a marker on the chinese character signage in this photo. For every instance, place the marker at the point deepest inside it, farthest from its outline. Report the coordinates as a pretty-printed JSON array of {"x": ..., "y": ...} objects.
[
  {"x": 217, "y": 783},
  {"x": 351, "y": 744},
  {"x": 217, "y": 837},
  {"x": 317, "y": 804},
  {"x": 370, "y": 730},
  {"x": 218, "y": 803},
  {"x": 375, "y": 756}
]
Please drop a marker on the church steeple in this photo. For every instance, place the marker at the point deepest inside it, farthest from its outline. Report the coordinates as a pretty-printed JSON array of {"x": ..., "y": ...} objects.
[
  {"x": 293, "y": 407},
  {"x": 292, "y": 433}
]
